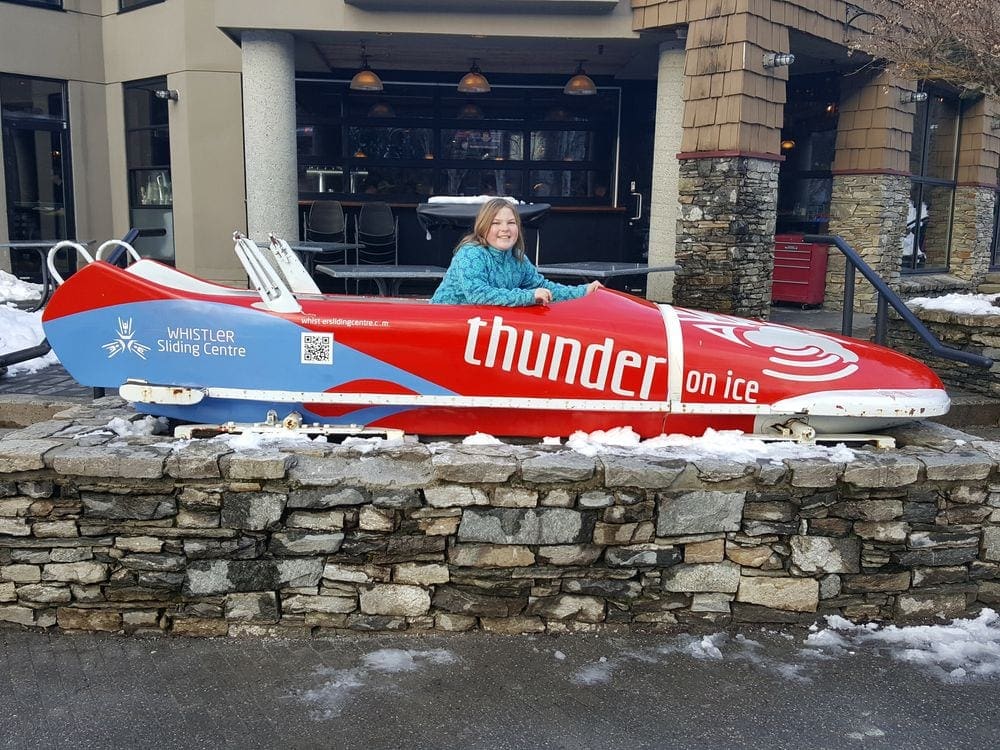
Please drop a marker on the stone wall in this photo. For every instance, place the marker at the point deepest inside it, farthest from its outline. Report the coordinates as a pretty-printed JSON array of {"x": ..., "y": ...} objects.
[
  {"x": 979, "y": 334},
  {"x": 150, "y": 535},
  {"x": 725, "y": 236}
]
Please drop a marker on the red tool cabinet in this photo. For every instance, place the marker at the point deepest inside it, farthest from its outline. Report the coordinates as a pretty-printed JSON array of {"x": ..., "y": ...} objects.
[{"x": 799, "y": 270}]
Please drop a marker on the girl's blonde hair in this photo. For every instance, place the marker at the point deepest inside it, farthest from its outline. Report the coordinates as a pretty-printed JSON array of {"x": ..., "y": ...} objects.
[{"x": 484, "y": 219}]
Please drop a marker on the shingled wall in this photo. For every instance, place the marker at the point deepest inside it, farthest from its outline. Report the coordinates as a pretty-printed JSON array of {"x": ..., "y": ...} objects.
[{"x": 152, "y": 535}]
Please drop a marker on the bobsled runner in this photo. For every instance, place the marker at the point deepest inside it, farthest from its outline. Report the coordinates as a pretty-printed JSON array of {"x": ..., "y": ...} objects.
[{"x": 191, "y": 350}]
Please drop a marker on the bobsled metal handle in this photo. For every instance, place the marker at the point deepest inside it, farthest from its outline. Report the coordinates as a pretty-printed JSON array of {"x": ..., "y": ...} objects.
[
  {"x": 50, "y": 261},
  {"x": 129, "y": 250}
]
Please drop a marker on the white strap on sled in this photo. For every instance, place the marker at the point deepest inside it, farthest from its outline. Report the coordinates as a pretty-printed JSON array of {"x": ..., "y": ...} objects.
[
  {"x": 290, "y": 266},
  {"x": 54, "y": 250},
  {"x": 274, "y": 294}
]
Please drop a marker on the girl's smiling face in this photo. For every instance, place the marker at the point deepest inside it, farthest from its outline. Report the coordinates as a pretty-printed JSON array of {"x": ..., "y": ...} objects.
[{"x": 503, "y": 230}]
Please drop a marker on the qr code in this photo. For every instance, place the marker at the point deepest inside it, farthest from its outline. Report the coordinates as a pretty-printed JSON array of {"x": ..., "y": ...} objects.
[{"x": 317, "y": 348}]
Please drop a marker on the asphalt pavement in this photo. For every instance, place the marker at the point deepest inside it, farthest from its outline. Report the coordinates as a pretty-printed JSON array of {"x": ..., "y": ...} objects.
[{"x": 762, "y": 689}]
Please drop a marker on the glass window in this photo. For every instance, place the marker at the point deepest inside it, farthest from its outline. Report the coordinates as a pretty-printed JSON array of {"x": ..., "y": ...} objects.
[
  {"x": 808, "y": 143},
  {"x": 131, "y": 4},
  {"x": 411, "y": 141},
  {"x": 32, "y": 97},
  {"x": 39, "y": 3},
  {"x": 479, "y": 182},
  {"x": 481, "y": 144},
  {"x": 933, "y": 163},
  {"x": 368, "y": 142},
  {"x": 147, "y": 160},
  {"x": 935, "y": 138},
  {"x": 36, "y": 166}
]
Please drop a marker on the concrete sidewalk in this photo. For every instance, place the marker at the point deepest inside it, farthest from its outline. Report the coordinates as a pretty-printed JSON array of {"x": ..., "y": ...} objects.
[{"x": 758, "y": 688}]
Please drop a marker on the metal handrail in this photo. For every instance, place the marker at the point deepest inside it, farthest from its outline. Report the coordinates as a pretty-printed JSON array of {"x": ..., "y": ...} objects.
[{"x": 887, "y": 297}]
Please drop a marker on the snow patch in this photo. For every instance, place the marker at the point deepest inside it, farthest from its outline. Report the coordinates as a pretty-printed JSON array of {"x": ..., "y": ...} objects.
[
  {"x": 339, "y": 685},
  {"x": 20, "y": 329},
  {"x": 13, "y": 289},
  {"x": 962, "y": 304}
]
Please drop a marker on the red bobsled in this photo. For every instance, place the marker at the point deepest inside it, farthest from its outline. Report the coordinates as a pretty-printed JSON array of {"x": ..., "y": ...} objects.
[{"x": 188, "y": 349}]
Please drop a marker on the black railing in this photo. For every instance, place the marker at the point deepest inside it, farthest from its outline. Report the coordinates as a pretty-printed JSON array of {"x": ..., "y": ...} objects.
[{"x": 885, "y": 298}]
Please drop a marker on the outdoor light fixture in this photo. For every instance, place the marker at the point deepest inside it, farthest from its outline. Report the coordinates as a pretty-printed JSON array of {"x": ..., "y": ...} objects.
[
  {"x": 381, "y": 109},
  {"x": 580, "y": 84},
  {"x": 909, "y": 97},
  {"x": 365, "y": 79},
  {"x": 778, "y": 59},
  {"x": 169, "y": 94},
  {"x": 470, "y": 111},
  {"x": 474, "y": 82},
  {"x": 787, "y": 145}
]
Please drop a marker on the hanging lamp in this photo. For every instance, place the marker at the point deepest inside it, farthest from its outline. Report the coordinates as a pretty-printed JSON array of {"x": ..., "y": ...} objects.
[
  {"x": 474, "y": 82},
  {"x": 580, "y": 84},
  {"x": 365, "y": 79}
]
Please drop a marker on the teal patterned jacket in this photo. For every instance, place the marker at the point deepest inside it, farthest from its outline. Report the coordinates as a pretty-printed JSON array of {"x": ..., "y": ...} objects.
[{"x": 485, "y": 276}]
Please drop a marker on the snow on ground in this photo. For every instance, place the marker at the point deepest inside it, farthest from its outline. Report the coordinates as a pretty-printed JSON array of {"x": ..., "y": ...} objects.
[
  {"x": 963, "y": 650},
  {"x": 964, "y": 304},
  {"x": 338, "y": 685},
  {"x": 13, "y": 289},
  {"x": 960, "y": 650},
  {"x": 20, "y": 329}
]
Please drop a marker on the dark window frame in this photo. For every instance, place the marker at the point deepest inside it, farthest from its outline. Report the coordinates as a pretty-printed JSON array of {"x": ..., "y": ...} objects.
[
  {"x": 124, "y": 6},
  {"x": 924, "y": 183},
  {"x": 46, "y": 4}
]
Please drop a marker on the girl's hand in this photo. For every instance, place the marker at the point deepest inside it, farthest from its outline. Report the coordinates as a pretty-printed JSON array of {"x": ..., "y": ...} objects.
[
  {"x": 542, "y": 296},
  {"x": 593, "y": 286}
]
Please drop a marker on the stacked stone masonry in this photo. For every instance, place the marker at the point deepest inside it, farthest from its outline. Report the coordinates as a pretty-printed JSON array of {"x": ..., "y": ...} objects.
[
  {"x": 151, "y": 535},
  {"x": 979, "y": 334},
  {"x": 725, "y": 236}
]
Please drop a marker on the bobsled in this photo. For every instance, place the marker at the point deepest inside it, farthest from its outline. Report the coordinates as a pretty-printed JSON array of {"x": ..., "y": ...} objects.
[{"x": 188, "y": 349}]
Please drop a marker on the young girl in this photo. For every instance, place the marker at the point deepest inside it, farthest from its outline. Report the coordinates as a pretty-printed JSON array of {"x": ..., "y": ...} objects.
[{"x": 489, "y": 267}]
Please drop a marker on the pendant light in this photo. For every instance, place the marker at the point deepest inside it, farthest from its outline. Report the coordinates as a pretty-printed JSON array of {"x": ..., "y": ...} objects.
[
  {"x": 580, "y": 84},
  {"x": 474, "y": 82},
  {"x": 365, "y": 79}
]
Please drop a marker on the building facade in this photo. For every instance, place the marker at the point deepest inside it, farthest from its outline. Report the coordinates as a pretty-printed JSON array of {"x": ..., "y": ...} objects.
[{"x": 698, "y": 143}]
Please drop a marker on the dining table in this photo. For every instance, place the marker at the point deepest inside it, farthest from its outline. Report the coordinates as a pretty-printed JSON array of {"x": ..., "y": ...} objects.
[
  {"x": 600, "y": 270},
  {"x": 307, "y": 250},
  {"x": 387, "y": 278}
]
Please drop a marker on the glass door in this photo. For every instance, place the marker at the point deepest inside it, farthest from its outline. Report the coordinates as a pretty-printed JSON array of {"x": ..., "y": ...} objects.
[
  {"x": 36, "y": 166},
  {"x": 147, "y": 154}
]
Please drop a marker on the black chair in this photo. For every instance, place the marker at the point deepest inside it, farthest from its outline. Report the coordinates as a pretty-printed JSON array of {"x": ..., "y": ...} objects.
[
  {"x": 377, "y": 235},
  {"x": 325, "y": 222}
]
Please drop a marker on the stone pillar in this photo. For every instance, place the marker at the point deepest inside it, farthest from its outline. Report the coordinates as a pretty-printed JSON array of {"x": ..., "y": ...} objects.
[
  {"x": 869, "y": 212},
  {"x": 871, "y": 183},
  {"x": 269, "y": 133},
  {"x": 730, "y": 150},
  {"x": 663, "y": 205},
  {"x": 972, "y": 232},
  {"x": 975, "y": 196},
  {"x": 725, "y": 243}
]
